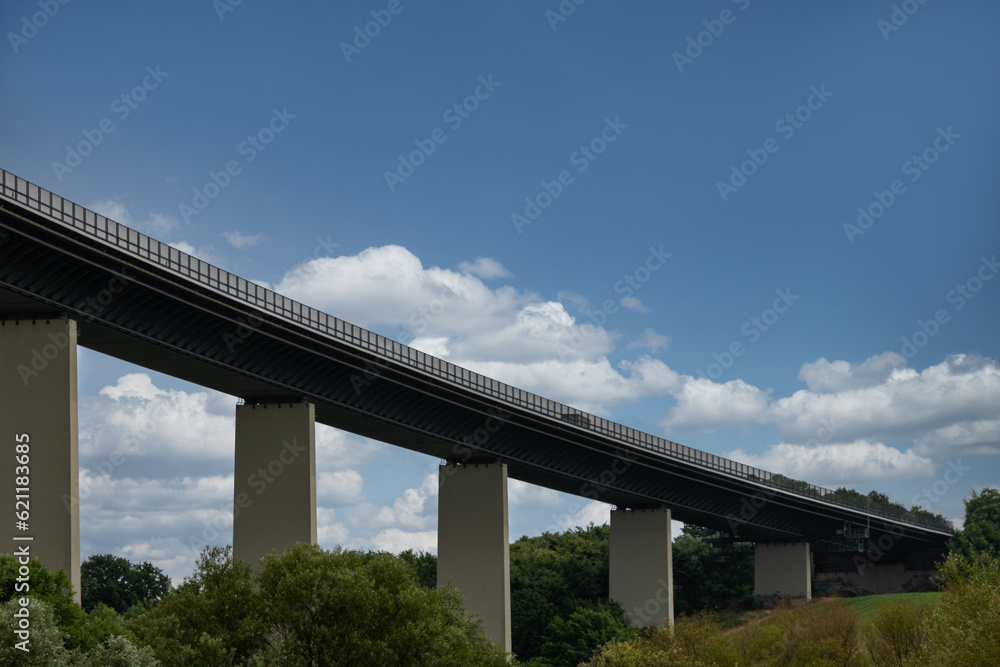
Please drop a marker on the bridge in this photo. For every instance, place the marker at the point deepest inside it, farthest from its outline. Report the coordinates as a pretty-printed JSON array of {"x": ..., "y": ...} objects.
[{"x": 70, "y": 277}]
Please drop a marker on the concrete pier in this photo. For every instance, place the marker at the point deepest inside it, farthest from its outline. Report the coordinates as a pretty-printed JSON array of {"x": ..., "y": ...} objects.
[
  {"x": 274, "y": 498},
  {"x": 473, "y": 542},
  {"x": 39, "y": 467},
  {"x": 641, "y": 564},
  {"x": 784, "y": 568}
]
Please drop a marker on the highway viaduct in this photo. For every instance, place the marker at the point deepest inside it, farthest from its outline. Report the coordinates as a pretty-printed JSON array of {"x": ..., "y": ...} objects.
[{"x": 70, "y": 277}]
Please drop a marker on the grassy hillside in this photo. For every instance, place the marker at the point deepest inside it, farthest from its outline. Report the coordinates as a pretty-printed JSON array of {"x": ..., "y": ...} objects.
[
  {"x": 959, "y": 627},
  {"x": 867, "y": 605}
]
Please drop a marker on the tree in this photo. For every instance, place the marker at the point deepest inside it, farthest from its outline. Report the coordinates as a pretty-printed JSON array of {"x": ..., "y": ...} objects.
[
  {"x": 981, "y": 532},
  {"x": 117, "y": 583},
  {"x": 343, "y": 607},
  {"x": 211, "y": 619},
  {"x": 705, "y": 578},
  {"x": 425, "y": 566},
  {"x": 569, "y": 642},
  {"x": 53, "y": 587},
  {"x": 553, "y": 575},
  {"x": 45, "y": 643}
]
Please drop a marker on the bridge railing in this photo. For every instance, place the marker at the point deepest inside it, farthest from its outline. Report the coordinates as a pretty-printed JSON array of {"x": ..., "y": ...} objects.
[{"x": 116, "y": 234}]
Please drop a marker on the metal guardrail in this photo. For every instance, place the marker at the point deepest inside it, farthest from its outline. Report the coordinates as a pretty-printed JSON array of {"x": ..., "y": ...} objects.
[{"x": 95, "y": 225}]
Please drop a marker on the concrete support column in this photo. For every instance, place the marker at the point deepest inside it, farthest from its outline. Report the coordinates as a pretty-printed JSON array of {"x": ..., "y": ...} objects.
[
  {"x": 641, "y": 563},
  {"x": 38, "y": 420},
  {"x": 473, "y": 544},
  {"x": 784, "y": 568},
  {"x": 274, "y": 499}
]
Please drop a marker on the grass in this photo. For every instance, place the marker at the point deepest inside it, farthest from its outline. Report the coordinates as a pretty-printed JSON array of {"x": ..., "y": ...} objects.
[{"x": 867, "y": 605}]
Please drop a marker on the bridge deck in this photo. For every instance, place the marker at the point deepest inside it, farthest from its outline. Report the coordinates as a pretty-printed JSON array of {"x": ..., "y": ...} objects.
[{"x": 176, "y": 314}]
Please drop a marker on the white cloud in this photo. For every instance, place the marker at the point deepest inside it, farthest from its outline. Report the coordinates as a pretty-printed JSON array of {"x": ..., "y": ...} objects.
[
  {"x": 843, "y": 464},
  {"x": 592, "y": 512},
  {"x": 528, "y": 495},
  {"x": 704, "y": 405},
  {"x": 339, "y": 488},
  {"x": 944, "y": 406},
  {"x": 485, "y": 267},
  {"x": 825, "y": 377},
  {"x": 969, "y": 438},
  {"x": 650, "y": 340},
  {"x": 633, "y": 303},
  {"x": 242, "y": 241},
  {"x": 395, "y": 540}
]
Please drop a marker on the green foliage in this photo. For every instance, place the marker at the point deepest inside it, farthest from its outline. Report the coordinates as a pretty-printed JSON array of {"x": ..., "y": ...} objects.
[
  {"x": 965, "y": 628},
  {"x": 424, "y": 565},
  {"x": 551, "y": 576},
  {"x": 981, "y": 532},
  {"x": 211, "y": 619},
  {"x": 117, "y": 651},
  {"x": 310, "y": 607},
  {"x": 897, "y": 633},
  {"x": 52, "y": 587},
  {"x": 345, "y": 608},
  {"x": 566, "y": 643},
  {"x": 705, "y": 578},
  {"x": 695, "y": 641},
  {"x": 45, "y": 645},
  {"x": 117, "y": 583}
]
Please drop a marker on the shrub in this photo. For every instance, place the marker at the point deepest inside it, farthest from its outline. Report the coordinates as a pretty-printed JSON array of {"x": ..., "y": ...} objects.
[
  {"x": 897, "y": 633},
  {"x": 965, "y": 629}
]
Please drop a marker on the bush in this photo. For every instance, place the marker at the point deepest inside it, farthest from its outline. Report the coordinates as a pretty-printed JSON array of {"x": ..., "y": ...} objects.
[
  {"x": 965, "y": 629},
  {"x": 897, "y": 633},
  {"x": 45, "y": 646}
]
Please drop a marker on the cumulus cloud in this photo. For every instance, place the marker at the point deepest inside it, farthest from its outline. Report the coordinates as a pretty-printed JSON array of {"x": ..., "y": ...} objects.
[
  {"x": 825, "y": 377},
  {"x": 513, "y": 336},
  {"x": 838, "y": 464},
  {"x": 704, "y": 405},
  {"x": 952, "y": 398}
]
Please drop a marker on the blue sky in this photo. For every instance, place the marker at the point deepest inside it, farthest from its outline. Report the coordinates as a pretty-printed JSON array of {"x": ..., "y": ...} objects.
[{"x": 697, "y": 169}]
